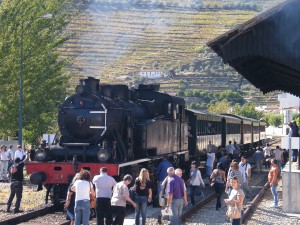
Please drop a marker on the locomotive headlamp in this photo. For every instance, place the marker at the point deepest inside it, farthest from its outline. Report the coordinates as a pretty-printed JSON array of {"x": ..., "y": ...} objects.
[
  {"x": 102, "y": 155},
  {"x": 40, "y": 155},
  {"x": 80, "y": 89}
]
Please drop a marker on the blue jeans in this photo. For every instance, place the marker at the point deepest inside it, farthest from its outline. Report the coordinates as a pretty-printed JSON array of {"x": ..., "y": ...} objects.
[
  {"x": 235, "y": 221},
  {"x": 246, "y": 188},
  {"x": 82, "y": 211},
  {"x": 176, "y": 205},
  {"x": 141, "y": 209},
  {"x": 209, "y": 170},
  {"x": 274, "y": 193}
]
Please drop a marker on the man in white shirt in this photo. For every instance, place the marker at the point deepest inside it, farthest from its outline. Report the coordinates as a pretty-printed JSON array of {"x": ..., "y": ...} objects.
[
  {"x": 229, "y": 148},
  {"x": 245, "y": 169},
  {"x": 20, "y": 153},
  {"x": 278, "y": 156},
  {"x": 267, "y": 154},
  {"x": 104, "y": 185},
  {"x": 4, "y": 157}
]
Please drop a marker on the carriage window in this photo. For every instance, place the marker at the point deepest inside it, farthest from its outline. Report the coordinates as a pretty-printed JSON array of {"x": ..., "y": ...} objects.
[{"x": 177, "y": 108}]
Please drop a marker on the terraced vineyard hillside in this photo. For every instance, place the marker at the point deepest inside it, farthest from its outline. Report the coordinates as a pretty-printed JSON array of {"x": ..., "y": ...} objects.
[{"x": 113, "y": 41}]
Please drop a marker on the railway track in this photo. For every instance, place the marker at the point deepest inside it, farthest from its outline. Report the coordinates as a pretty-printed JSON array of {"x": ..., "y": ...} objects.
[
  {"x": 28, "y": 216},
  {"x": 49, "y": 215},
  {"x": 258, "y": 191},
  {"x": 47, "y": 212},
  {"x": 274, "y": 141}
]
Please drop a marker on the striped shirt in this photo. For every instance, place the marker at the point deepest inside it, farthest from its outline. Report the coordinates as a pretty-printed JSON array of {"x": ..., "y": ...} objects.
[{"x": 237, "y": 174}]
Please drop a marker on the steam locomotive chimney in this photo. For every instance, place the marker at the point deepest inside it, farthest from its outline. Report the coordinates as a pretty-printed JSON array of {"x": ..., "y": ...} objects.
[
  {"x": 91, "y": 85},
  {"x": 121, "y": 91}
]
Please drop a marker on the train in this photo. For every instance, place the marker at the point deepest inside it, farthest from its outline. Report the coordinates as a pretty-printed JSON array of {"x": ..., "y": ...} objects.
[{"x": 124, "y": 129}]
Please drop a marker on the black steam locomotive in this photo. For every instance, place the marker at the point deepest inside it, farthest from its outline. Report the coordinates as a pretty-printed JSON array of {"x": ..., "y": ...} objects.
[{"x": 126, "y": 129}]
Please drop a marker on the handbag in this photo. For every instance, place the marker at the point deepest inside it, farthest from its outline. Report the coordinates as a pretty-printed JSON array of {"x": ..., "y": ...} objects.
[
  {"x": 92, "y": 198},
  {"x": 92, "y": 201},
  {"x": 233, "y": 212},
  {"x": 162, "y": 200}
]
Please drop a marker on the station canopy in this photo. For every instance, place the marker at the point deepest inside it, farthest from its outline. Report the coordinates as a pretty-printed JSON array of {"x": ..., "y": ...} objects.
[{"x": 266, "y": 49}]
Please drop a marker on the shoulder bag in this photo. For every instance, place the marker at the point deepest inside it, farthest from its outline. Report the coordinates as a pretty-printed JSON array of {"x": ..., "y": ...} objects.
[
  {"x": 192, "y": 178},
  {"x": 233, "y": 212},
  {"x": 92, "y": 199}
]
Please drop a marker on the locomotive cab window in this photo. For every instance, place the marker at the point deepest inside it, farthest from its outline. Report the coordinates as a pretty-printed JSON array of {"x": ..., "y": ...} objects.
[{"x": 169, "y": 108}]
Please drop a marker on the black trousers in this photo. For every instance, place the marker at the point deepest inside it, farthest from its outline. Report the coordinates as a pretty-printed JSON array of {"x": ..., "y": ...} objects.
[
  {"x": 16, "y": 188},
  {"x": 219, "y": 188},
  {"x": 103, "y": 210},
  {"x": 118, "y": 214}
]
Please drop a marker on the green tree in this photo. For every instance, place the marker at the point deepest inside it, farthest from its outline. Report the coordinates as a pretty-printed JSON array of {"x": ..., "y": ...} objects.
[
  {"x": 220, "y": 107},
  {"x": 247, "y": 110},
  {"x": 273, "y": 119},
  {"x": 45, "y": 83},
  {"x": 180, "y": 93},
  {"x": 296, "y": 117}
]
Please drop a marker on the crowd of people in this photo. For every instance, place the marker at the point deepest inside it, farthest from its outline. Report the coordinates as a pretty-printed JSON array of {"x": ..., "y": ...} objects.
[{"x": 227, "y": 170}]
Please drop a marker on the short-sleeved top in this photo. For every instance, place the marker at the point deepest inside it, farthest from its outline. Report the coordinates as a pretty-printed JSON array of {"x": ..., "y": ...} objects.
[
  {"x": 142, "y": 190},
  {"x": 267, "y": 151},
  {"x": 162, "y": 169},
  {"x": 4, "y": 156},
  {"x": 18, "y": 175},
  {"x": 176, "y": 187},
  {"x": 243, "y": 168},
  {"x": 225, "y": 162},
  {"x": 11, "y": 153},
  {"x": 104, "y": 185},
  {"x": 273, "y": 173},
  {"x": 119, "y": 192},
  {"x": 278, "y": 154},
  {"x": 258, "y": 155},
  {"x": 83, "y": 189},
  {"x": 235, "y": 193},
  {"x": 19, "y": 154},
  {"x": 229, "y": 149},
  {"x": 237, "y": 174}
]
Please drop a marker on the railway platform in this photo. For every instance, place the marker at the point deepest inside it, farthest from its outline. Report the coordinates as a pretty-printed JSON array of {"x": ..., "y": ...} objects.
[{"x": 264, "y": 214}]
